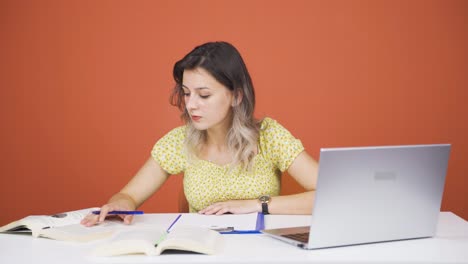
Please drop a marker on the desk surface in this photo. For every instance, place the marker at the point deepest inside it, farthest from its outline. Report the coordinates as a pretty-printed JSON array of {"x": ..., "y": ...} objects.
[{"x": 450, "y": 245}]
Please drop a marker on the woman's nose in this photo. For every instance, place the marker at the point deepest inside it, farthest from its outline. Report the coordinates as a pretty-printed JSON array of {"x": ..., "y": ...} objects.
[{"x": 191, "y": 102}]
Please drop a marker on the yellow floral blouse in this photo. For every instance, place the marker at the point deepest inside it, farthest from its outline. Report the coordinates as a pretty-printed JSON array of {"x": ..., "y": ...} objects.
[{"x": 206, "y": 183}]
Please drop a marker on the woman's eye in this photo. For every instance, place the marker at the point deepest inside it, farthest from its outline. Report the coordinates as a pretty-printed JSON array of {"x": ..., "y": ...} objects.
[
  {"x": 186, "y": 94},
  {"x": 204, "y": 96}
]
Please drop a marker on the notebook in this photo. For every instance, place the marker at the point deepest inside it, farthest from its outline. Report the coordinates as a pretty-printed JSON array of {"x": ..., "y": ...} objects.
[{"x": 373, "y": 194}]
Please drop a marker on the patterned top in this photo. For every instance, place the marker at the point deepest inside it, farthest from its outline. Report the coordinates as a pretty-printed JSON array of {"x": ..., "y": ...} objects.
[{"x": 206, "y": 183}]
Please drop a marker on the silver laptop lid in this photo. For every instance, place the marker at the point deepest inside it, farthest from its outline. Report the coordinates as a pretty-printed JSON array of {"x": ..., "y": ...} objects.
[{"x": 374, "y": 194}]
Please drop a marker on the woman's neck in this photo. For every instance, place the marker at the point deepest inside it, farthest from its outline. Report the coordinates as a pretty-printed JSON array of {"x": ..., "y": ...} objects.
[{"x": 216, "y": 138}]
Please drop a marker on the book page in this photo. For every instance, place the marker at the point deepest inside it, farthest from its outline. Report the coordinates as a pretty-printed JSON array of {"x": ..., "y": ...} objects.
[
  {"x": 191, "y": 238},
  {"x": 154, "y": 241},
  {"x": 37, "y": 222},
  {"x": 80, "y": 233},
  {"x": 132, "y": 241},
  {"x": 237, "y": 222}
]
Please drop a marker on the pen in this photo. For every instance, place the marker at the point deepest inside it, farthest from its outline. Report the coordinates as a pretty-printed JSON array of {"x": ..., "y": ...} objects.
[
  {"x": 120, "y": 212},
  {"x": 239, "y": 232},
  {"x": 173, "y": 223}
]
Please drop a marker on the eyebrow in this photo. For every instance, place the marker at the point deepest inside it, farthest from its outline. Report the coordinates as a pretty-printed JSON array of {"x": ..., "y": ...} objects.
[{"x": 198, "y": 88}]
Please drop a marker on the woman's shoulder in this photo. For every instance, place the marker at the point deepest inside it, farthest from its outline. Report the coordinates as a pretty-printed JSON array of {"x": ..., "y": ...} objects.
[
  {"x": 178, "y": 131},
  {"x": 272, "y": 131},
  {"x": 169, "y": 152},
  {"x": 278, "y": 145},
  {"x": 174, "y": 135},
  {"x": 269, "y": 124}
]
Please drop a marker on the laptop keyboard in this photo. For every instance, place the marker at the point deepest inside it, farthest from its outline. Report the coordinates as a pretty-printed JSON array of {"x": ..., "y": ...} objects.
[{"x": 302, "y": 237}]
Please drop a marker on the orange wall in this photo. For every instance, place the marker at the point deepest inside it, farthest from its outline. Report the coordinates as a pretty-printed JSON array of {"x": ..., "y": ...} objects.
[{"x": 85, "y": 86}]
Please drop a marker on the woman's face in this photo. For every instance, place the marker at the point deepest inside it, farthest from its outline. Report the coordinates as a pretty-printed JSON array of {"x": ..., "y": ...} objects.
[{"x": 207, "y": 101}]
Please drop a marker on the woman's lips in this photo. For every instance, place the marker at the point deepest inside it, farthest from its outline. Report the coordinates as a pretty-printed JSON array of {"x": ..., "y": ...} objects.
[{"x": 196, "y": 118}]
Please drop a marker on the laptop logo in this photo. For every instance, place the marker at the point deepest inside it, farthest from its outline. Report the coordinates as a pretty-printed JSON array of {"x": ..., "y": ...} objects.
[{"x": 385, "y": 176}]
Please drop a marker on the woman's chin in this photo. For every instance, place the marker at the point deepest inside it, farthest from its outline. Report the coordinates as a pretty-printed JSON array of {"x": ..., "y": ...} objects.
[{"x": 199, "y": 126}]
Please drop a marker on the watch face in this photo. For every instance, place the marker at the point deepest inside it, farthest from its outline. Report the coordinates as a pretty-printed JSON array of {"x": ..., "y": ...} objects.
[{"x": 264, "y": 198}]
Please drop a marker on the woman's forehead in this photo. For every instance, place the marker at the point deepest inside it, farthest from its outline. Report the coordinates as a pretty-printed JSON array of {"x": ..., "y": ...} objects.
[{"x": 199, "y": 79}]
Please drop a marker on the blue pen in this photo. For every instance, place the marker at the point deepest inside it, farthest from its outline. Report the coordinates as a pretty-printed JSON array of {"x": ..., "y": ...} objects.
[
  {"x": 173, "y": 223},
  {"x": 240, "y": 232},
  {"x": 120, "y": 212}
]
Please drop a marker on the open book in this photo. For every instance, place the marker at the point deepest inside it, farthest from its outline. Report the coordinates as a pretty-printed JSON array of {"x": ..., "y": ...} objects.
[
  {"x": 64, "y": 226},
  {"x": 153, "y": 241}
]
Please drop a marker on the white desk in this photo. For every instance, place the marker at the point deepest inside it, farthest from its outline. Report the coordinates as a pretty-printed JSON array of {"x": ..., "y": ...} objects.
[{"x": 449, "y": 246}]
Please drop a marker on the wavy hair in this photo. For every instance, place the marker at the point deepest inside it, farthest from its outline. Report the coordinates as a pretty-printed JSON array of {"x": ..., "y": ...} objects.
[{"x": 225, "y": 64}]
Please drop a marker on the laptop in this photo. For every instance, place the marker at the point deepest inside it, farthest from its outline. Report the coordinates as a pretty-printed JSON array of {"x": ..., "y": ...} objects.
[{"x": 373, "y": 194}]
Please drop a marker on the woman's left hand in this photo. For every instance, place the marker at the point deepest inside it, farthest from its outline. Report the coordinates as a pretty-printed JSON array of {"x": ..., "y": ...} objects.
[{"x": 232, "y": 206}]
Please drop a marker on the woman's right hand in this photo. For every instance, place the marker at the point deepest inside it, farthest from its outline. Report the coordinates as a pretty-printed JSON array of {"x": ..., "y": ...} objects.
[
  {"x": 148, "y": 180},
  {"x": 119, "y": 202}
]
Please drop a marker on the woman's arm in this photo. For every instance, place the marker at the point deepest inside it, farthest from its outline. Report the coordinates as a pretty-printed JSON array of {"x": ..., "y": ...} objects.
[
  {"x": 303, "y": 169},
  {"x": 148, "y": 180}
]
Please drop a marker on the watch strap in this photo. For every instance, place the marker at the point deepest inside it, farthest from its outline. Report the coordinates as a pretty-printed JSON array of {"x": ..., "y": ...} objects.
[{"x": 265, "y": 208}]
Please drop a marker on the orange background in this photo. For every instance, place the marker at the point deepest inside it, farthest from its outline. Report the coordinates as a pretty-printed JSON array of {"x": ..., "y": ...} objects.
[{"x": 85, "y": 86}]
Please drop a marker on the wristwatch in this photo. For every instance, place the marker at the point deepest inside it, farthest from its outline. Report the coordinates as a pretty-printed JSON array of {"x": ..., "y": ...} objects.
[{"x": 264, "y": 199}]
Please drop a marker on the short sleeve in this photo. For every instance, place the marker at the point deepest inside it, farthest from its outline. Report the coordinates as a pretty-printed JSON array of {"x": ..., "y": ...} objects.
[
  {"x": 169, "y": 151},
  {"x": 278, "y": 144}
]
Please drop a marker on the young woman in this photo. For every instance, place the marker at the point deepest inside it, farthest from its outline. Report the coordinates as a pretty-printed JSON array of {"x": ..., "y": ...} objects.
[{"x": 232, "y": 163}]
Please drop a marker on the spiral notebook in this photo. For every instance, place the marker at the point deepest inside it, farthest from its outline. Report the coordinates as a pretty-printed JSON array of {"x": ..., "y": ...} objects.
[{"x": 225, "y": 224}]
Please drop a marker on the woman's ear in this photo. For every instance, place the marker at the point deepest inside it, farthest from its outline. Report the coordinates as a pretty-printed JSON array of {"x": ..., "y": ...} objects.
[{"x": 237, "y": 98}]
